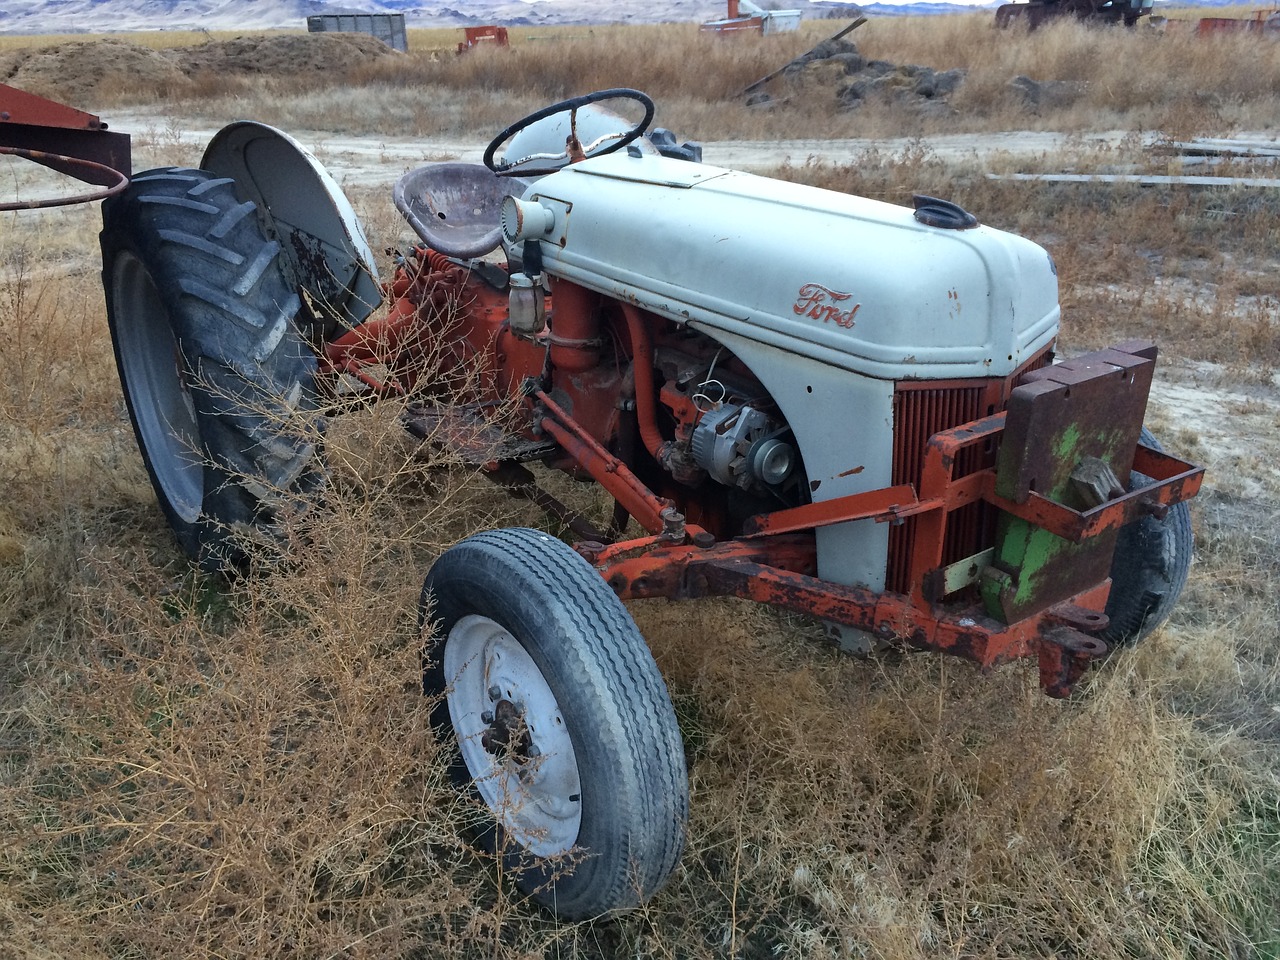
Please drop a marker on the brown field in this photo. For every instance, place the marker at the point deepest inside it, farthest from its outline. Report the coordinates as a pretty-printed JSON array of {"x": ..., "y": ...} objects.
[{"x": 245, "y": 769}]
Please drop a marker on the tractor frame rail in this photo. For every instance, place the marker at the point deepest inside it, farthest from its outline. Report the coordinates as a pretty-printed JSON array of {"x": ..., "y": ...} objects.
[{"x": 775, "y": 560}]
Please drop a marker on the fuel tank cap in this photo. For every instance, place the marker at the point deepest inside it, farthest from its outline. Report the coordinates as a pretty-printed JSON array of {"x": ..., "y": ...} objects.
[{"x": 943, "y": 213}]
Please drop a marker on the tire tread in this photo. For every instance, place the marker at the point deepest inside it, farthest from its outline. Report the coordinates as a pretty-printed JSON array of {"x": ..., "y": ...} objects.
[{"x": 231, "y": 309}]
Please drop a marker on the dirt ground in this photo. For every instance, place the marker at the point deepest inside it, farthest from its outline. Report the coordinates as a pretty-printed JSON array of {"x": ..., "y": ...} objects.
[
  {"x": 80, "y": 73},
  {"x": 370, "y": 161}
]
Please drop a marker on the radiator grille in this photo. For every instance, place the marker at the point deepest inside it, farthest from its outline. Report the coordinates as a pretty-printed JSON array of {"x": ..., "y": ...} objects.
[
  {"x": 917, "y": 415},
  {"x": 919, "y": 411}
]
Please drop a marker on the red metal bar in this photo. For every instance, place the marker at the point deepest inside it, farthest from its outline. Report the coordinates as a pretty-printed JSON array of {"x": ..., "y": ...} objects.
[
  {"x": 90, "y": 172},
  {"x": 936, "y": 483},
  {"x": 18, "y": 106},
  {"x": 64, "y": 139},
  {"x": 1175, "y": 479},
  {"x": 1157, "y": 464},
  {"x": 654, "y": 567},
  {"x": 778, "y": 570},
  {"x": 1079, "y": 525},
  {"x": 878, "y": 504},
  {"x": 606, "y": 469}
]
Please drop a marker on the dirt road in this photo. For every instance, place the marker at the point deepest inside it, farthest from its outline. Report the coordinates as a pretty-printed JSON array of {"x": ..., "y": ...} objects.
[{"x": 370, "y": 161}]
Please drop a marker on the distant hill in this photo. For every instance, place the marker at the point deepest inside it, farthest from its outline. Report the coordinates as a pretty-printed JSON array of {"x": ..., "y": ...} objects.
[
  {"x": 98, "y": 16},
  {"x": 920, "y": 9},
  {"x": 95, "y": 16}
]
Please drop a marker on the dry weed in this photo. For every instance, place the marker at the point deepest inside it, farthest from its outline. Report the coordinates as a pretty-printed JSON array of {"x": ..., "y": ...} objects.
[
  {"x": 244, "y": 769},
  {"x": 1173, "y": 82}
]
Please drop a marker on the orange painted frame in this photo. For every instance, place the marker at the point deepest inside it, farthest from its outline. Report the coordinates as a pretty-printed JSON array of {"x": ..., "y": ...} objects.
[{"x": 775, "y": 560}]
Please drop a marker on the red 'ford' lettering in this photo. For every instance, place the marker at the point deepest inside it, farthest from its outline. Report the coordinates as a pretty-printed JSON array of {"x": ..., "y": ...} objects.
[{"x": 822, "y": 303}]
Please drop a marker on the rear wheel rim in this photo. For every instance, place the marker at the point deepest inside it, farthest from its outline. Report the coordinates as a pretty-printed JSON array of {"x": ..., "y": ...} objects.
[
  {"x": 513, "y": 737},
  {"x": 155, "y": 377}
]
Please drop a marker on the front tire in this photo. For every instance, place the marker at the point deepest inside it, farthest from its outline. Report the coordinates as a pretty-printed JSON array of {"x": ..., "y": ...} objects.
[
  {"x": 1149, "y": 567},
  {"x": 560, "y": 719},
  {"x": 219, "y": 385}
]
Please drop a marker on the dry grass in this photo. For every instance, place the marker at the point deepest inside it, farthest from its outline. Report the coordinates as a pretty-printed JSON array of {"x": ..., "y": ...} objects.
[
  {"x": 245, "y": 769},
  {"x": 1141, "y": 80},
  {"x": 158, "y": 40}
]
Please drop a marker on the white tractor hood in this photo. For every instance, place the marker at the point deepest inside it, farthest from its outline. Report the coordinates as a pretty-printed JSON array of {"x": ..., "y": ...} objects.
[{"x": 846, "y": 281}]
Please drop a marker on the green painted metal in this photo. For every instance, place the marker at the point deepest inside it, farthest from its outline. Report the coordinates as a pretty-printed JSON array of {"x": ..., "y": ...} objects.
[{"x": 1090, "y": 407}]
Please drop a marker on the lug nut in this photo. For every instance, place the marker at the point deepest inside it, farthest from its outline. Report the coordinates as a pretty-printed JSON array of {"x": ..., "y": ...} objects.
[
  {"x": 486, "y": 717},
  {"x": 495, "y": 692},
  {"x": 534, "y": 751}
]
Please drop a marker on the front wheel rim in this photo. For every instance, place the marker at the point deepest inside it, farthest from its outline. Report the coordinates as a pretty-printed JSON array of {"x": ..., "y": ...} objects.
[
  {"x": 513, "y": 737},
  {"x": 154, "y": 376}
]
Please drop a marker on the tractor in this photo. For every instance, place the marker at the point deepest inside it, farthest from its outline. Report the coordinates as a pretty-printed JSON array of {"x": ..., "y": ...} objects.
[
  {"x": 824, "y": 403},
  {"x": 1036, "y": 13}
]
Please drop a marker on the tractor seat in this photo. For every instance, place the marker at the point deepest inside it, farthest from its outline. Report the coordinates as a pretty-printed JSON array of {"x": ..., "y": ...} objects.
[{"x": 455, "y": 207}]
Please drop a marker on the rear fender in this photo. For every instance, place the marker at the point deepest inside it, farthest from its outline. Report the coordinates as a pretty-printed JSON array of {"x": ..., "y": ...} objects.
[{"x": 303, "y": 208}]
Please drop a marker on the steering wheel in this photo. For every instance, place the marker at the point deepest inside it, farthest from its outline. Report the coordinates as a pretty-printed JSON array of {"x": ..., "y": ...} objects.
[{"x": 574, "y": 150}]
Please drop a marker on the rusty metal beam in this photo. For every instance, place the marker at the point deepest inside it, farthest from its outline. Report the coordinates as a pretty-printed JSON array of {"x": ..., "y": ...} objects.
[
  {"x": 606, "y": 469},
  {"x": 1078, "y": 526},
  {"x": 874, "y": 504},
  {"x": 114, "y": 181},
  {"x": 778, "y": 570},
  {"x": 58, "y": 136}
]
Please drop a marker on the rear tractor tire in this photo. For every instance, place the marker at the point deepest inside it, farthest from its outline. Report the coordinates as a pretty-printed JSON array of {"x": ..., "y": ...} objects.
[
  {"x": 220, "y": 386},
  {"x": 558, "y": 720}
]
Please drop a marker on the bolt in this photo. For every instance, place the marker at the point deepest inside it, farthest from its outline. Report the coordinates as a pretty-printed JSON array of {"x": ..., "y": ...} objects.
[
  {"x": 495, "y": 692},
  {"x": 486, "y": 717},
  {"x": 672, "y": 525},
  {"x": 1156, "y": 509},
  {"x": 704, "y": 539},
  {"x": 534, "y": 751}
]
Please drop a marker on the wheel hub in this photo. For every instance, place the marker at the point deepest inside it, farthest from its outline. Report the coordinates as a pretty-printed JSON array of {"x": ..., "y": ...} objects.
[
  {"x": 507, "y": 736},
  {"x": 513, "y": 737}
]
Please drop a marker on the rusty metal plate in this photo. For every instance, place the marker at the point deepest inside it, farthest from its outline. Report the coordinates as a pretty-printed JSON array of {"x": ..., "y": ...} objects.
[{"x": 1089, "y": 407}]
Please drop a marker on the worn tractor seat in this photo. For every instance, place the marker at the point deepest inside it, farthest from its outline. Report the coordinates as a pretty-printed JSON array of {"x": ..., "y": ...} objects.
[{"x": 455, "y": 207}]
